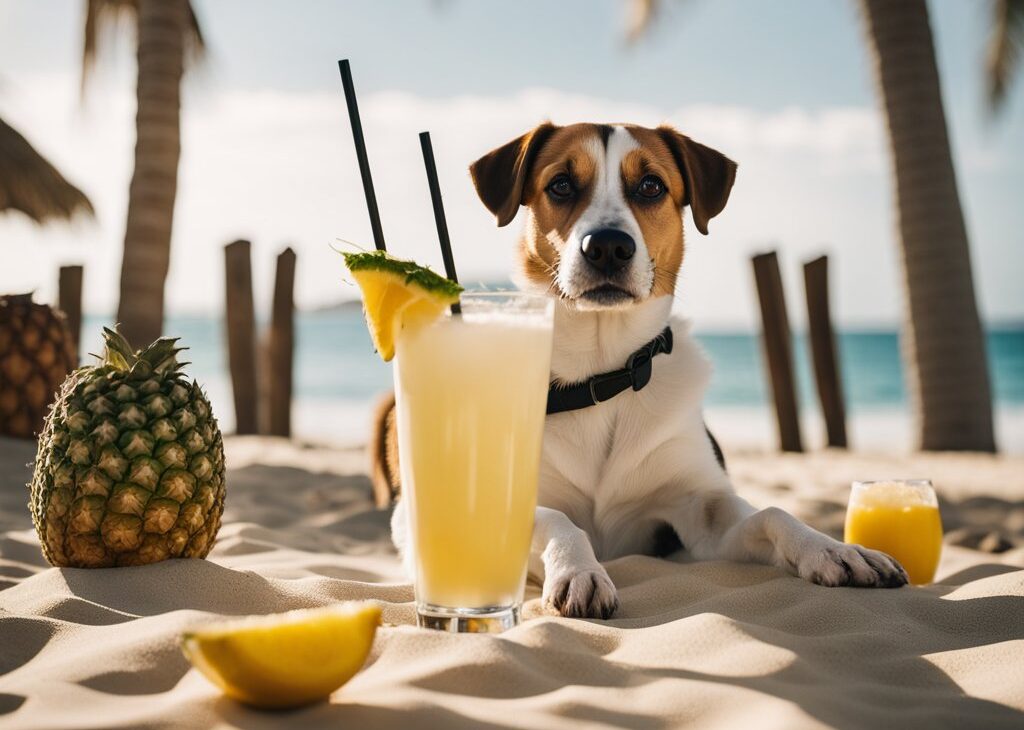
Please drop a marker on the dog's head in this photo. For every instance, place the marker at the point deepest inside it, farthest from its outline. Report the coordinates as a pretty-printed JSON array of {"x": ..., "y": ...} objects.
[{"x": 605, "y": 226}]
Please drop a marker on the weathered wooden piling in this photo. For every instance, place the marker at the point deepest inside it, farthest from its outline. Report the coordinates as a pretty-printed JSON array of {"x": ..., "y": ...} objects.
[
  {"x": 280, "y": 349},
  {"x": 241, "y": 335},
  {"x": 69, "y": 301},
  {"x": 823, "y": 350},
  {"x": 778, "y": 348}
]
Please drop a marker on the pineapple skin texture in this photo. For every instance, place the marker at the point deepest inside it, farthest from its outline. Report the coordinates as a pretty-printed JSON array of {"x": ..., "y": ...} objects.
[
  {"x": 129, "y": 469},
  {"x": 36, "y": 354}
]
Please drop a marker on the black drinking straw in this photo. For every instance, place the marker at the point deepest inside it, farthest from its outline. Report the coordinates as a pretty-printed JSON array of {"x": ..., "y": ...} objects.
[
  {"x": 364, "y": 163},
  {"x": 439, "y": 219}
]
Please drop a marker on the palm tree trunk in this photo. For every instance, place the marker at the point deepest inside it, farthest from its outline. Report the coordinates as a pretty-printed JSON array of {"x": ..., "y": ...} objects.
[
  {"x": 943, "y": 343},
  {"x": 147, "y": 242}
]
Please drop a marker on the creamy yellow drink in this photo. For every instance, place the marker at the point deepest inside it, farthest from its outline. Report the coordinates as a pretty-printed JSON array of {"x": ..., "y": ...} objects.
[{"x": 471, "y": 391}]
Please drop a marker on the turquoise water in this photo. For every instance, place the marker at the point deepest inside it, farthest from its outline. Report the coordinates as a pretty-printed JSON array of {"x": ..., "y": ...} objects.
[{"x": 335, "y": 362}]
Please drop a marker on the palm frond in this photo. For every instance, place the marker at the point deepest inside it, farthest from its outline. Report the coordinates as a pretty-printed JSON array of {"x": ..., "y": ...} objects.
[
  {"x": 195, "y": 43},
  {"x": 103, "y": 16},
  {"x": 116, "y": 16},
  {"x": 640, "y": 15},
  {"x": 1004, "y": 49},
  {"x": 31, "y": 184}
]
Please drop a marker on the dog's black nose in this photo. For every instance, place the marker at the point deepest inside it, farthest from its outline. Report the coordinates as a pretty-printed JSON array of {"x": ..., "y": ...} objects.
[{"x": 608, "y": 250}]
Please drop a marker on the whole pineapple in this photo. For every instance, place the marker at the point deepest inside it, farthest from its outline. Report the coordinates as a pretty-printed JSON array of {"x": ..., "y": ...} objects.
[
  {"x": 130, "y": 465},
  {"x": 36, "y": 354}
]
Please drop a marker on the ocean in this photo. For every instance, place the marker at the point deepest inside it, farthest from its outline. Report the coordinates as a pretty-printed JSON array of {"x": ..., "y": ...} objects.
[{"x": 338, "y": 376}]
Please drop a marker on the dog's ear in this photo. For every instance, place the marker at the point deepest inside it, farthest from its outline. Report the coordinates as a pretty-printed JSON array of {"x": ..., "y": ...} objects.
[
  {"x": 500, "y": 175},
  {"x": 708, "y": 173}
]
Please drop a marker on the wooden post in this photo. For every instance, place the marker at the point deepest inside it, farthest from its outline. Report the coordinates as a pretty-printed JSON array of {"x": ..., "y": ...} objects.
[
  {"x": 823, "y": 350},
  {"x": 241, "y": 334},
  {"x": 69, "y": 301},
  {"x": 279, "y": 349},
  {"x": 778, "y": 348}
]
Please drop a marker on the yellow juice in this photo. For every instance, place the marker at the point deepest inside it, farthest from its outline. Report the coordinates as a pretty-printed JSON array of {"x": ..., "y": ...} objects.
[
  {"x": 471, "y": 394},
  {"x": 901, "y": 519}
]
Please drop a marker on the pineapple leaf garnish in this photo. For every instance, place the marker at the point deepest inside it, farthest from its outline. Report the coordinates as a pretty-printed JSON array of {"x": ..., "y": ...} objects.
[{"x": 410, "y": 271}]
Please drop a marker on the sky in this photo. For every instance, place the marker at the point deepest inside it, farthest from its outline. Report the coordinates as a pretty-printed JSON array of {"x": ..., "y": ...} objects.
[{"x": 784, "y": 88}]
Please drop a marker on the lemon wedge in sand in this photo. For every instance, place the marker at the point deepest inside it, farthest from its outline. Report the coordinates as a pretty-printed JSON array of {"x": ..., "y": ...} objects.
[
  {"x": 286, "y": 659},
  {"x": 398, "y": 294}
]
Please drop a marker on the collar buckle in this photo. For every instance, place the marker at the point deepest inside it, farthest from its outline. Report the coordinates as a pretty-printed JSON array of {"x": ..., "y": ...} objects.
[{"x": 639, "y": 367}]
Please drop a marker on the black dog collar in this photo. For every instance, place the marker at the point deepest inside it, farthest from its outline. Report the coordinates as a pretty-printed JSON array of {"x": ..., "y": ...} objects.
[{"x": 606, "y": 386}]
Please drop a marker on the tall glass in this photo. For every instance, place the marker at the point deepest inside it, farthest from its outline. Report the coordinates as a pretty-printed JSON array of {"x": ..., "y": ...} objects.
[
  {"x": 899, "y": 517},
  {"x": 471, "y": 394}
]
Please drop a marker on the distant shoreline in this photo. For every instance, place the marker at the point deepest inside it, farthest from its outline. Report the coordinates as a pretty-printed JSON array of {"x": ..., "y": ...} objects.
[
  {"x": 885, "y": 430},
  {"x": 1007, "y": 325},
  {"x": 338, "y": 377}
]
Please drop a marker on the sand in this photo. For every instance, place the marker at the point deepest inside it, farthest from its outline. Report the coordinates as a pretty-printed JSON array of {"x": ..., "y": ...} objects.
[{"x": 710, "y": 645}]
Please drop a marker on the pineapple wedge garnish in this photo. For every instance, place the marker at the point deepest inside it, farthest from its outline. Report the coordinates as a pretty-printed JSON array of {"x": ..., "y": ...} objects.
[
  {"x": 286, "y": 659},
  {"x": 398, "y": 294}
]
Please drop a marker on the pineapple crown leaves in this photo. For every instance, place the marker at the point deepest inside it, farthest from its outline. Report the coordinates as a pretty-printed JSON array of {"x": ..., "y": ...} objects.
[
  {"x": 13, "y": 299},
  {"x": 160, "y": 357}
]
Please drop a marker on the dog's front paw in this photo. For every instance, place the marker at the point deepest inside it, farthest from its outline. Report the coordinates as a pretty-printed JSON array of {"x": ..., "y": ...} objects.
[
  {"x": 839, "y": 564},
  {"x": 582, "y": 594}
]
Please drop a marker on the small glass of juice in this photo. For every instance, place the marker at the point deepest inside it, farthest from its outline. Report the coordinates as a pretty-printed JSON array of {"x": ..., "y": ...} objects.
[{"x": 899, "y": 517}]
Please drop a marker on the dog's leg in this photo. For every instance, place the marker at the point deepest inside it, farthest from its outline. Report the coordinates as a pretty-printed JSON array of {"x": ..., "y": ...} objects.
[
  {"x": 562, "y": 558},
  {"x": 718, "y": 524}
]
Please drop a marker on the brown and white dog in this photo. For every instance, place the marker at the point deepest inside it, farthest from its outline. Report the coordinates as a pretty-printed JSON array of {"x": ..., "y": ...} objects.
[{"x": 604, "y": 235}]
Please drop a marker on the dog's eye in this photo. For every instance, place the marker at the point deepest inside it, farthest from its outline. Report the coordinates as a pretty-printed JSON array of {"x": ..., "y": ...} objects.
[
  {"x": 650, "y": 187},
  {"x": 561, "y": 187}
]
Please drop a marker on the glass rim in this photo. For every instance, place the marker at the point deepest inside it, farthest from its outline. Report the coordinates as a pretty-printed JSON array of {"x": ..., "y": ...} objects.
[
  {"x": 511, "y": 293},
  {"x": 923, "y": 489},
  {"x": 507, "y": 303},
  {"x": 916, "y": 482}
]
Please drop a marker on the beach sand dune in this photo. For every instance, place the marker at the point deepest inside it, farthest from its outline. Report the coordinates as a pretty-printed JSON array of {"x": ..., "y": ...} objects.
[{"x": 712, "y": 645}]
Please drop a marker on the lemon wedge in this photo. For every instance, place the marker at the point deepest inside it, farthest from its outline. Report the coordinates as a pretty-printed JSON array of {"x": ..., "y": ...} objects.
[
  {"x": 398, "y": 294},
  {"x": 286, "y": 659}
]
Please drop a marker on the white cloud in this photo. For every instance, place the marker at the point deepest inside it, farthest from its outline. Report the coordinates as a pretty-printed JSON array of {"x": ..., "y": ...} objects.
[{"x": 279, "y": 168}]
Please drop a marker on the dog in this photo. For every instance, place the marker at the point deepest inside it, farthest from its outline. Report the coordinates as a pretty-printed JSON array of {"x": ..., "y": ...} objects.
[{"x": 632, "y": 471}]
